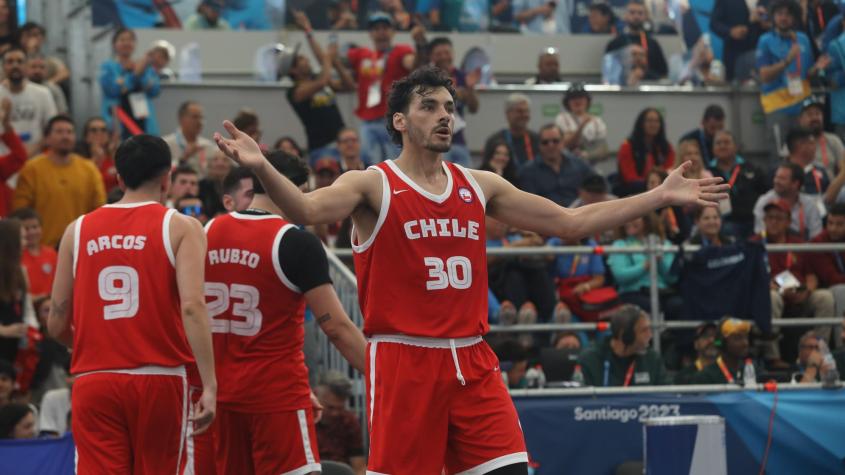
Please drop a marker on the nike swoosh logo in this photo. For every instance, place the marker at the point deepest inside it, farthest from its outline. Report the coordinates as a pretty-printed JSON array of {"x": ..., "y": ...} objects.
[{"x": 396, "y": 192}]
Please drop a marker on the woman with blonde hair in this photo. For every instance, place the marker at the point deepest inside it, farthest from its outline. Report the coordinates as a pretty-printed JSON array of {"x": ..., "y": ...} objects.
[{"x": 689, "y": 150}]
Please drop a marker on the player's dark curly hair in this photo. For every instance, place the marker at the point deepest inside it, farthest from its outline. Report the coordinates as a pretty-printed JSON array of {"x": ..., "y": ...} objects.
[{"x": 422, "y": 81}]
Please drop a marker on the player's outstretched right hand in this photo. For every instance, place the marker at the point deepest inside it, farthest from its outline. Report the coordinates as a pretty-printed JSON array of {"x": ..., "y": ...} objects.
[
  {"x": 204, "y": 411},
  {"x": 240, "y": 147}
]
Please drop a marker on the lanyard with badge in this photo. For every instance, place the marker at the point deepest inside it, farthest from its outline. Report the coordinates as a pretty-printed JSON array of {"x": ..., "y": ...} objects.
[
  {"x": 628, "y": 374},
  {"x": 727, "y": 374},
  {"x": 374, "y": 91},
  {"x": 725, "y": 207},
  {"x": 793, "y": 81}
]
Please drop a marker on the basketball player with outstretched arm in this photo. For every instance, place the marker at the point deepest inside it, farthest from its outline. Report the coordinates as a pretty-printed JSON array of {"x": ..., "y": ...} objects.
[
  {"x": 435, "y": 395},
  {"x": 128, "y": 294}
]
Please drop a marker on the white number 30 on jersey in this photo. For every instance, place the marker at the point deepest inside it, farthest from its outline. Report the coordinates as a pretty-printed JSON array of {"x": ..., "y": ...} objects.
[
  {"x": 220, "y": 296},
  {"x": 456, "y": 273}
]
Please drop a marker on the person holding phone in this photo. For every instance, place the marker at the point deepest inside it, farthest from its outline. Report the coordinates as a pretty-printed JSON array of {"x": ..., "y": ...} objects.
[{"x": 543, "y": 16}]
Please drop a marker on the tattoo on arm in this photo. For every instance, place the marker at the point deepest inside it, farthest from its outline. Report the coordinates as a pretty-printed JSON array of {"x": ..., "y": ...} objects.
[{"x": 325, "y": 318}]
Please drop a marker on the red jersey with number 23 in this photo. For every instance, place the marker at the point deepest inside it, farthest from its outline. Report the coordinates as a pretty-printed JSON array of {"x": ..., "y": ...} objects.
[
  {"x": 423, "y": 272},
  {"x": 257, "y": 316},
  {"x": 126, "y": 307}
]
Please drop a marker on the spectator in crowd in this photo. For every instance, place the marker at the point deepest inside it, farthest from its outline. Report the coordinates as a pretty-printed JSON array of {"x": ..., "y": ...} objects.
[
  {"x": 54, "y": 358},
  {"x": 211, "y": 187},
  {"x": 207, "y": 17},
  {"x": 502, "y": 17},
  {"x": 237, "y": 189},
  {"x": 747, "y": 184},
  {"x": 38, "y": 260},
  {"x": 600, "y": 20},
  {"x": 548, "y": 68},
  {"x": 631, "y": 271},
  {"x": 341, "y": 16},
  {"x": 637, "y": 70},
  {"x": 32, "y": 104},
  {"x": 625, "y": 358},
  {"x": 289, "y": 146},
  {"x": 247, "y": 120},
  {"x": 739, "y": 27},
  {"x": 184, "y": 181},
  {"x": 349, "y": 149},
  {"x": 497, "y": 159},
  {"x": 16, "y": 311},
  {"x": 567, "y": 340},
  {"x": 513, "y": 361},
  {"x": 835, "y": 74},
  {"x": 708, "y": 229},
  {"x": 839, "y": 355},
  {"x": 524, "y": 143},
  {"x": 593, "y": 189},
  {"x": 801, "y": 144},
  {"x": 584, "y": 134},
  {"x": 732, "y": 341},
  {"x": 674, "y": 220},
  {"x": 7, "y": 27},
  {"x": 7, "y": 381},
  {"x": 815, "y": 16},
  {"x": 187, "y": 145},
  {"x": 160, "y": 54},
  {"x": 55, "y": 409},
  {"x": 829, "y": 148},
  {"x": 31, "y": 38},
  {"x": 375, "y": 70},
  {"x": 98, "y": 144},
  {"x": 575, "y": 275},
  {"x": 785, "y": 63},
  {"x": 17, "y": 421},
  {"x": 326, "y": 171},
  {"x": 810, "y": 364},
  {"x": 338, "y": 431},
  {"x": 313, "y": 95},
  {"x": 441, "y": 54},
  {"x": 712, "y": 122},
  {"x": 36, "y": 71},
  {"x": 706, "y": 353},
  {"x": 12, "y": 162},
  {"x": 806, "y": 219},
  {"x": 795, "y": 290},
  {"x": 635, "y": 34},
  {"x": 59, "y": 184},
  {"x": 129, "y": 87},
  {"x": 829, "y": 267},
  {"x": 191, "y": 205},
  {"x": 557, "y": 174},
  {"x": 690, "y": 151},
  {"x": 644, "y": 149},
  {"x": 542, "y": 16}
]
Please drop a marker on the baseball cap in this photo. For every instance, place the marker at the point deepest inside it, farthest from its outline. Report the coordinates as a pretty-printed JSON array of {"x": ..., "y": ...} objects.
[
  {"x": 379, "y": 17},
  {"x": 733, "y": 326},
  {"x": 326, "y": 164},
  {"x": 780, "y": 204},
  {"x": 812, "y": 101}
]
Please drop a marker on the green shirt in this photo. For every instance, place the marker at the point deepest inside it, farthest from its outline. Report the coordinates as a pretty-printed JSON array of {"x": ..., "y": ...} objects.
[{"x": 648, "y": 368}]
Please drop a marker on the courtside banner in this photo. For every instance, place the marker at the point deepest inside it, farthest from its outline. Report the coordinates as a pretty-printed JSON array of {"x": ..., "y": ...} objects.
[{"x": 593, "y": 435}]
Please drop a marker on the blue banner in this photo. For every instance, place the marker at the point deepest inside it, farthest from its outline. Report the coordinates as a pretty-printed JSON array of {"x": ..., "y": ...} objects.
[{"x": 596, "y": 434}]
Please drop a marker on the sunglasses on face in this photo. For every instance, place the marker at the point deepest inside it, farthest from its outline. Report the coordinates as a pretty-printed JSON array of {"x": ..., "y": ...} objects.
[{"x": 193, "y": 210}]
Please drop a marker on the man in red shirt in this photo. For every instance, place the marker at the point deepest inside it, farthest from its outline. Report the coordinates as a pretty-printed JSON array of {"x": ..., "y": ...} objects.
[
  {"x": 375, "y": 70},
  {"x": 829, "y": 267},
  {"x": 128, "y": 297},
  {"x": 38, "y": 260},
  {"x": 430, "y": 376}
]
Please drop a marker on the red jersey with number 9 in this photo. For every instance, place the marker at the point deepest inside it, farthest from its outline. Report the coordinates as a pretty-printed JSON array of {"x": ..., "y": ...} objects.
[
  {"x": 423, "y": 271},
  {"x": 257, "y": 316},
  {"x": 126, "y": 307}
]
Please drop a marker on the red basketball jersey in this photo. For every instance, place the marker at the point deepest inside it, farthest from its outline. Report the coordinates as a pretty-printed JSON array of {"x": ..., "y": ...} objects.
[
  {"x": 257, "y": 316},
  {"x": 423, "y": 272},
  {"x": 126, "y": 308}
]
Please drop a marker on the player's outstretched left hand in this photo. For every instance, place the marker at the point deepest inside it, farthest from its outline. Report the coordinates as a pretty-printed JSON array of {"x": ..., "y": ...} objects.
[
  {"x": 317, "y": 407},
  {"x": 680, "y": 191},
  {"x": 204, "y": 411}
]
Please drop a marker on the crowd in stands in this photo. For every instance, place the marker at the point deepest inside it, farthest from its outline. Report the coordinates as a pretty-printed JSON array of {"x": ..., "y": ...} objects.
[{"x": 54, "y": 171}]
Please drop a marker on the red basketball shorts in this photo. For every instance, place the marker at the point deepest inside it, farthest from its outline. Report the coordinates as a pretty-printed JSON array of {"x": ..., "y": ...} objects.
[
  {"x": 130, "y": 421},
  {"x": 438, "y": 405},
  {"x": 266, "y": 443}
]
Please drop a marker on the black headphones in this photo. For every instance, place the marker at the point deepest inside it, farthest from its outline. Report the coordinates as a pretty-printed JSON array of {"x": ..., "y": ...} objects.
[{"x": 623, "y": 322}]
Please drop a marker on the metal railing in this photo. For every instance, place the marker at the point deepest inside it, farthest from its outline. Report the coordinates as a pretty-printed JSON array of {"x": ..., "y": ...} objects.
[{"x": 687, "y": 389}]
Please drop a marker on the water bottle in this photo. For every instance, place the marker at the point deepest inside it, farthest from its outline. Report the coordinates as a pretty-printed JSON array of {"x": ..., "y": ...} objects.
[
  {"x": 578, "y": 375},
  {"x": 541, "y": 377},
  {"x": 535, "y": 378},
  {"x": 829, "y": 372},
  {"x": 749, "y": 376}
]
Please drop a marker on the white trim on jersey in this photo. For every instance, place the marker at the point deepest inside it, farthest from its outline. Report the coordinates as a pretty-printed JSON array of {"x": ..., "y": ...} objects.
[
  {"x": 183, "y": 434},
  {"x": 373, "y": 346},
  {"x": 277, "y": 265},
  {"x": 436, "y": 198},
  {"x": 253, "y": 217},
  {"x": 382, "y": 215},
  {"x": 370, "y": 472},
  {"x": 306, "y": 437},
  {"x": 131, "y": 205},
  {"x": 424, "y": 342},
  {"x": 190, "y": 449},
  {"x": 165, "y": 234},
  {"x": 208, "y": 226},
  {"x": 77, "y": 229},
  {"x": 306, "y": 469},
  {"x": 499, "y": 462},
  {"x": 145, "y": 370},
  {"x": 474, "y": 184}
]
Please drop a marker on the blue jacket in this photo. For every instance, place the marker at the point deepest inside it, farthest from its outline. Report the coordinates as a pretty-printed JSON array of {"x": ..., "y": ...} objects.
[
  {"x": 630, "y": 272},
  {"x": 110, "y": 72}
]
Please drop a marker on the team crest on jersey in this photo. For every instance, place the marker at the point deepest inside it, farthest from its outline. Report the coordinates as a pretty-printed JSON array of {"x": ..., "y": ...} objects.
[{"x": 465, "y": 194}]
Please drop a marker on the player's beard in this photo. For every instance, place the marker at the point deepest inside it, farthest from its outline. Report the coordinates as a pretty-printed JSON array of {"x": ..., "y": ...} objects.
[{"x": 418, "y": 137}]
